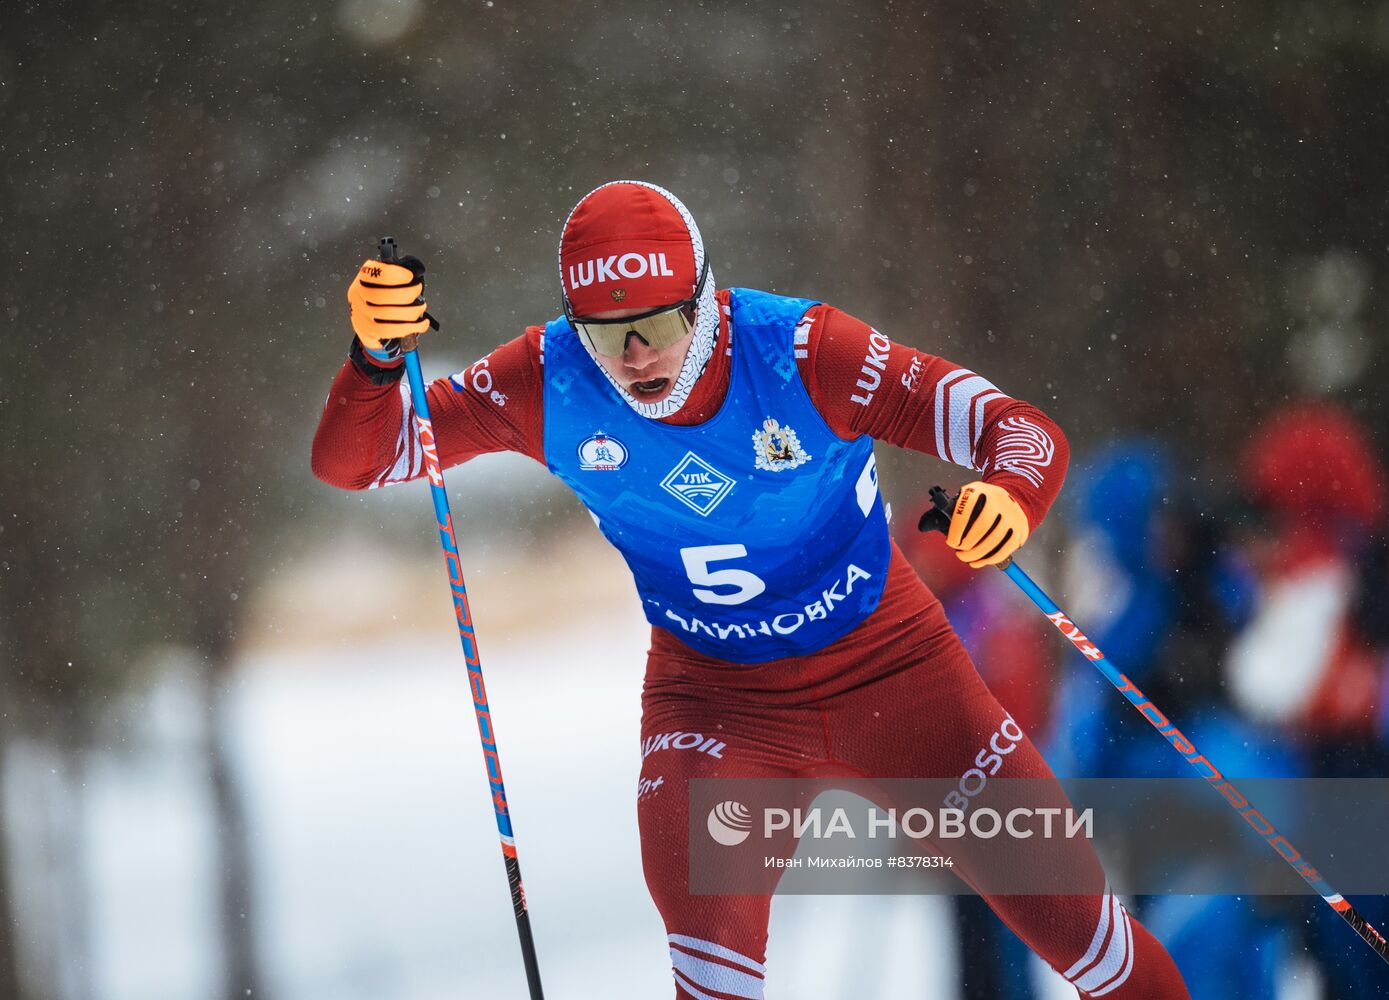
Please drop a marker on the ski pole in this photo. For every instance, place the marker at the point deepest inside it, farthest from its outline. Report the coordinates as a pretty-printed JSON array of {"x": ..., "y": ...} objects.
[
  {"x": 464, "y": 619},
  {"x": 937, "y": 518}
]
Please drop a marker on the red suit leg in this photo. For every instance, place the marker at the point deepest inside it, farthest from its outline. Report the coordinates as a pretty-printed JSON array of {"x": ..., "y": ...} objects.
[{"x": 933, "y": 718}]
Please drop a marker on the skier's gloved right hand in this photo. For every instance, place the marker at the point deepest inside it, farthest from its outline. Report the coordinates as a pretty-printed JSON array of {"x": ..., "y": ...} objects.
[{"x": 387, "y": 303}]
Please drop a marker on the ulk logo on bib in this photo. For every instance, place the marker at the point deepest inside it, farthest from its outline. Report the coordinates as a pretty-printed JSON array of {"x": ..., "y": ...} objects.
[{"x": 697, "y": 484}]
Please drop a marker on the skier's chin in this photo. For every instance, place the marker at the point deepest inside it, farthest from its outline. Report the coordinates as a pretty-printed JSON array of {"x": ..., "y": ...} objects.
[{"x": 651, "y": 390}]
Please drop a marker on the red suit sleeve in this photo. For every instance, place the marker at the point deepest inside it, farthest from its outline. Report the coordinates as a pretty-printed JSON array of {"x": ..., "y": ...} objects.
[
  {"x": 367, "y": 435},
  {"x": 863, "y": 383}
]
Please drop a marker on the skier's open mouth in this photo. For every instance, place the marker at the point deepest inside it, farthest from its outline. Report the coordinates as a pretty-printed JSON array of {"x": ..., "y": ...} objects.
[{"x": 650, "y": 389}]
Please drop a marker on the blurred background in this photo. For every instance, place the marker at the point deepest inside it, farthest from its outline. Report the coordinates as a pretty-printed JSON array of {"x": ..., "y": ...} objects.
[{"x": 237, "y": 755}]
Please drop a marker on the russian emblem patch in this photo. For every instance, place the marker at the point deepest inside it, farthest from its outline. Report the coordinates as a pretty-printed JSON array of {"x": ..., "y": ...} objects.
[{"x": 777, "y": 447}]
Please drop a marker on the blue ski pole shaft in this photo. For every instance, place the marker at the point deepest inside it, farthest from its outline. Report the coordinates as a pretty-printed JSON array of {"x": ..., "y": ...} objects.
[
  {"x": 938, "y": 519},
  {"x": 463, "y": 618}
]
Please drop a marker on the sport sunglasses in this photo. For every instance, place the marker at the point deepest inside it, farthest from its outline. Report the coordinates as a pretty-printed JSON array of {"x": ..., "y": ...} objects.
[{"x": 658, "y": 329}]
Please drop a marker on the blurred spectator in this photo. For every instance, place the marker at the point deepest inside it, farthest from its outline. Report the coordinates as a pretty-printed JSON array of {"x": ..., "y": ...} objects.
[
  {"x": 1158, "y": 589},
  {"x": 1120, "y": 582},
  {"x": 1311, "y": 658},
  {"x": 1308, "y": 659}
]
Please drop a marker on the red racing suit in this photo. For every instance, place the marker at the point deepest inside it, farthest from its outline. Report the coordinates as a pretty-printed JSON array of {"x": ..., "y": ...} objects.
[{"x": 896, "y": 698}]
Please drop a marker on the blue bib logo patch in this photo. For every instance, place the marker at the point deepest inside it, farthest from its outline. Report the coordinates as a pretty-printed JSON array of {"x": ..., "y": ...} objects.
[
  {"x": 601, "y": 453},
  {"x": 697, "y": 484}
]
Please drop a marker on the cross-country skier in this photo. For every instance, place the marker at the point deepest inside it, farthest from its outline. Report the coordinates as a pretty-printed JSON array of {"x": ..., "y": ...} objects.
[{"x": 723, "y": 440}]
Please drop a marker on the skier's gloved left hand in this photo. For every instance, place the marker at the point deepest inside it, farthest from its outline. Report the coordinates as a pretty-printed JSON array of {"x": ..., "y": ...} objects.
[{"x": 986, "y": 526}]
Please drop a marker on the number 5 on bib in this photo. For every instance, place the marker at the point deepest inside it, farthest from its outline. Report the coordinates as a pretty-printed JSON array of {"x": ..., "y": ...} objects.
[{"x": 697, "y": 559}]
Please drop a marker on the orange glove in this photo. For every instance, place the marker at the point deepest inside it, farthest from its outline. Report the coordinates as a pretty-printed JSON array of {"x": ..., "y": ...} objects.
[
  {"x": 387, "y": 303},
  {"x": 987, "y": 525}
]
